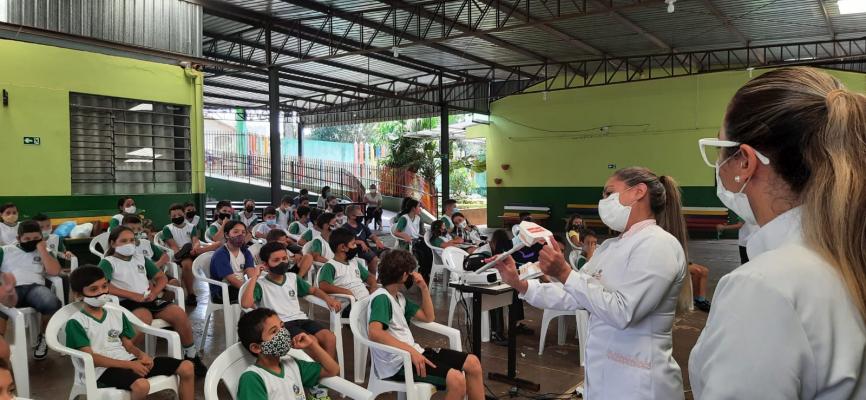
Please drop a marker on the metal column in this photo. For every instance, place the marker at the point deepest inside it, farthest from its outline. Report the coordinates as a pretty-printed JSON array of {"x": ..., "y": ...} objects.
[
  {"x": 444, "y": 146},
  {"x": 274, "y": 117},
  {"x": 300, "y": 137}
]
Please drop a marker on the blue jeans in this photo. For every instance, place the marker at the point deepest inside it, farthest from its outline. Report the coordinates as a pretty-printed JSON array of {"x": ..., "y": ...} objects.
[{"x": 40, "y": 297}]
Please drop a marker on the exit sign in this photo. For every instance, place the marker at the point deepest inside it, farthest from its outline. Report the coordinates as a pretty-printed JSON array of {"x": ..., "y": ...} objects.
[
  {"x": 34, "y": 140},
  {"x": 611, "y": 166}
]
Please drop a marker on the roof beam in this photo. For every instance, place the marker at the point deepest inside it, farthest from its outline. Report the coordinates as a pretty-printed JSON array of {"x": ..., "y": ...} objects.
[
  {"x": 726, "y": 22},
  {"x": 265, "y": 92},
  {"x": 245, "y": 100},
  {"x": 827, "y": 21},
  {"x": 423, "y": 12},
  {"x": 286, "y": 83},
  {"x": 232, "y": 12},
  {"x": 251, "y": 44},
  {"x": 633, "y": 26},
  {"x": 393, "y": 31}
]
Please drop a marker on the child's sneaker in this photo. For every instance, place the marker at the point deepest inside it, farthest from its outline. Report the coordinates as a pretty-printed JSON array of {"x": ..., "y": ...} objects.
[
  {"x": 318, "y": 393},
  {"x": 40, "y": 351}
]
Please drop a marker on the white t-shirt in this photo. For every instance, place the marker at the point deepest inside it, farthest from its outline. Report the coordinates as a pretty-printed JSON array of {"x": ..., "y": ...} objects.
[
  {"x": 103, "y": 337},
  {"x": 348, "y": 276},
  {"x": 388, "y": 364},
  {"x": 27, "y": 267},
  {"x": 238, "y": 263},
  {"x": 282, "y": 297},
  {"x": 133, "y": 275},
  {"x": 264, "y": 228},
  {"x": 284, "y": 218},
  {"x": 287, "y": 387},
  {"x": 181, "y": 234},
  {"x": 8, "y": 234},
  {"x": 373, "y": 199}
]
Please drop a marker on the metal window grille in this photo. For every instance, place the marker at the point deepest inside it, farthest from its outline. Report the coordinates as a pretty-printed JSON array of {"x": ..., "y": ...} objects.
[{"x": 125, "y": 146}]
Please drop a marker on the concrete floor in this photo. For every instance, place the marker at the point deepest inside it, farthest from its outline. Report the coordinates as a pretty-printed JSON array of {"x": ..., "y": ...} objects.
[{"x": 557, "y": 371}]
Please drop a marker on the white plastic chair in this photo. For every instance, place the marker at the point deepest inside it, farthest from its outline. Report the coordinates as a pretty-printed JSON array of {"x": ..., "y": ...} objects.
[
  {"x": 16, "y": 337},
  {"x": 408, "y": 389},
  {"x": 32, "y": 318},
  {"x": 254, "y": 249},
  {"x": 102, "y": 241},
  {"x": 438, "y": 264},
  {"x": 201, "y": 269},
  {"x": 232, "y": 363},
  {"x": 85, "y": 375},
  {"x": 453, "y": 257},
  {"x": 337, "y": 322},
  {"x": 397, "y": 240},
  {"x": 179, "y": 300}
]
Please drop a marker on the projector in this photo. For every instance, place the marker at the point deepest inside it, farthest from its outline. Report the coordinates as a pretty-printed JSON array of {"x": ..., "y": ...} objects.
[{"x": 484, "y": 278}]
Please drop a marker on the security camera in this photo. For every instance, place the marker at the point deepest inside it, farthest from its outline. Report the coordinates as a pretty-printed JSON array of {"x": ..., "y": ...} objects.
[{"x": 670, "y": 4}]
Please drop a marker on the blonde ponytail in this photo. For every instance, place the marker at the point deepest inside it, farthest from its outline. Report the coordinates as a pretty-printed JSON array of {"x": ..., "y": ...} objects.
[{"x": 814, "y": 131}]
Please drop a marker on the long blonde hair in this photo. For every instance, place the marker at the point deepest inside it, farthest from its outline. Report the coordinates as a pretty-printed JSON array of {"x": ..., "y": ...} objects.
[
  {"x": 666, "y": 204},
  {"x": 814, "y": 131}
]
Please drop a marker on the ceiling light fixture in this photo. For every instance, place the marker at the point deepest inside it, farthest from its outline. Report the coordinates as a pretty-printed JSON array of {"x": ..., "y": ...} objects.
[
  {"x": 395, "y": 51},
  {"x": 670, "y": 4},
  {"x": 851, "y": 6}
]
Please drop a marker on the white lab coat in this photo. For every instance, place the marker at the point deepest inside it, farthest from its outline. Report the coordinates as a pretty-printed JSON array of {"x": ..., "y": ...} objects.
[
  {"x": 782, "y": 326},
  {"x": 630, "y": 289}
]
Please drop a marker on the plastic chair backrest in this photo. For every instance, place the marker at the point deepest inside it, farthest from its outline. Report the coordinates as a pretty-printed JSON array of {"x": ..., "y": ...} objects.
[
  {"x": 453, "y": 258},
  {"x": 228, "y": 368},
  {"x": 100, "y": 240},
  {"x": 254, "y": 249},
  {"x": 573, "y": 258},
  {"x": 201, "y": 265}
]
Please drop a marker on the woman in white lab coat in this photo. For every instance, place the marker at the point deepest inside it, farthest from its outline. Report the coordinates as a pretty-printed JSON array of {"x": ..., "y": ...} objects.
[
  {"x": 630, "y": 288},
  {"x": 791, "y": 157}
]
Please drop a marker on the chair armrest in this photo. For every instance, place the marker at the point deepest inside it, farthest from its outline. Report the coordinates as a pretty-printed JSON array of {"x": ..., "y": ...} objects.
[
  {"x": 173, "y": 339},
  {"x": 341, "y": 296},
  {"x": 173, "y": 269},
  {"x": 346, "y": 388},
  {"x": 73, "y": 263},
  {"x": 179, "y": 296},
  {"x": 57, "y": 287},
  {"x": 452, "y": 334},
  {"x": 86, "y": 359}
]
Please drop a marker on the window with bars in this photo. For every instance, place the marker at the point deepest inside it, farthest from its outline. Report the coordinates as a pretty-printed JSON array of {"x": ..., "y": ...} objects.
[{"x": 125, "y": 146}]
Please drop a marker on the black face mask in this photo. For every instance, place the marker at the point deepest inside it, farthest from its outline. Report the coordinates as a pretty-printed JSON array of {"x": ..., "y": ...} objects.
[
  {"x": 280, "y": 269},
  {"x": 249, "y": 209},
  {"x": 177, "y": 220},
  {"x": 190, "y": 214},
  {"x": 351, "y": 253},
  {"x": 30, "y": 246},
  {"x": 409, "y": 282},
  {"x": 224, "y": 216}
]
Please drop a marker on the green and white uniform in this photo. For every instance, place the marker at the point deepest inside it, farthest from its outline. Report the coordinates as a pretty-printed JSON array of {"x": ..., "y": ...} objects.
[
  {"x": 394, "y": 314},
  {"x": 212, "y": 231},
  {"x": 282, "y": 297},
  {"x": 257, "y": 383},
  {"x": 284, "y": 218},
  {"x": 298, "y": 228},
  {"x": 347, "y": 276},
  {"x": 149, "y": 250},
  {"x": 54, "y": 244},
  {"x": 248, "y": 221},
  {"x": 318, "y": 245},
  {"x": 8, "y": 234},
  {"x": 133, "y": 275},
  {"x": 115, "y": 221},
  {"x": 181, "y": 234},
  {"x": 27, "y": 267},
  {"x": 449, "y": 224},
  {"x": 411, "y": 227},
  {"x": 440, "y": 240},
  {"x": 103, "y": 336}
]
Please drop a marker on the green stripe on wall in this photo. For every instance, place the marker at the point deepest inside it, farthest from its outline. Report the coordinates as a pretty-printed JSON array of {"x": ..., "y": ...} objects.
[{"x": 558, "y": 198}]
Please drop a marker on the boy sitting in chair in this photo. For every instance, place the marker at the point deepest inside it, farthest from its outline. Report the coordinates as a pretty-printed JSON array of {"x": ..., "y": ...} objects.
[
  {"x": 345, "y": 273},
  {"x": 457, "y": 372},
  {"x": 107, "y": 336},
  {"x": 275, "y": 376}
]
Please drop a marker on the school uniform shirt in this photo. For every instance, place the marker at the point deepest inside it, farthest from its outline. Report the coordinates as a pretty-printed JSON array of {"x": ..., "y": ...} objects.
[
  {"x": 27, "y": 267},
  {"x": 133, "y": 275},
  {"x": 282, "y": 297},
  {"x": 438, "y": 241},
  {"x": 54, "y": 244},
  {"x": 413, "y": 228},
  {"x": 8, "y": 234},
  {"x": 284, "y": 218},
  {"x": 746, "y": 231},
  {"x": 223, "y": 263},
  {"x": 212, "y": 231},
  {"x": 394, "y": 313},
  {"x": 103, "y": 336},
  {"x": 783, "y": 326},
  {"x": 115, "y": 221},
  {"x": 181, "y": 234},
  {"x": 264, "y": 228},
  {"x": 630, "y": 289},
  {"x": 258, "y": 383},
  {"x": 298, "y": 228},
  {"x": 446, "y": 220},
  {"x": 347, "y": 276},
  {"x": 318, "y": 245},
  {"x": 248, "y": 220},
  {"x": 148, "y": 250}
]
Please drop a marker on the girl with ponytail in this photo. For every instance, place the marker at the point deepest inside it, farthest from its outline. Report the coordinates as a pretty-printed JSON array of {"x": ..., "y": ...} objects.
[
  {"x": 631, "y": 288},
  {"x": 789, "y": 324}
]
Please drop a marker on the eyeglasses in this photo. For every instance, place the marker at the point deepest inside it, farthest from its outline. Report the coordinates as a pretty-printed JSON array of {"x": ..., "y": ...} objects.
[{"x": 711, "y": 151}]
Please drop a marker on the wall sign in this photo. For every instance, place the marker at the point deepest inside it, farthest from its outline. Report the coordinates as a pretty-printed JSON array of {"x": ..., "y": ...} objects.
[{"x": 32, "y": 140}]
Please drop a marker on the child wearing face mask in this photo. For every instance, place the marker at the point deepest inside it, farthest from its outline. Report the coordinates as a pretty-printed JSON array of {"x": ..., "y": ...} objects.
[
  {"x": 55, "y": 243},
  {"x": 275, "y": 376},
  {"x": 139, "y": 284},
  {"x": 182, "y": 238},
  {"x": 446, "y": 218},
  {"x": 191, "y": 214},
  {"x": 457, "y": 373},
  {"x": 280, "y": 236},
  {"x": 317, "y": 250},
  {"x": 285, "y": 213},
  {"x": 30, "y": 261},
  {"x": 8, "y": 224},
  {"x": 107, "y": 335},
  {"x": 572, "y": 230},
  {"x": 223, "y": 212},
  {"x": 439, "y": 236},
  {"x": 230, "y": 262},
  {"x": 302, "y": 224},
  {"x": 280, "y": 291},
  {"x": 125, "y": 206},
  {"x": 269, "y": 223},
  {"x": 346, "y": 273},
  {"x": 340, "y": 213},
  {"x": 248, "y": 215}
]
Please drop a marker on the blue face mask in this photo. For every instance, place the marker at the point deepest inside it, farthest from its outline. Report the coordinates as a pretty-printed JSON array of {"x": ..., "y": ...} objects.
[{"x": 271, "y": 222}]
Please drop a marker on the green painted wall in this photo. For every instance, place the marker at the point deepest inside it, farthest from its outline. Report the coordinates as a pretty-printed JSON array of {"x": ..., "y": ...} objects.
[
  {"x": 558, "y": 153},
  {"x": 39, "y": 79}
]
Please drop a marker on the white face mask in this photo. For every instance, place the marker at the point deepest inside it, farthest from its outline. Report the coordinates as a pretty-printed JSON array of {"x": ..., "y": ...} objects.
[
  {"x": 129, "y": 210},
  {"x": 97, "y": 301},
  {"x": 125, "y": 250},
  {"x": 613, "y": 213},
  {"x": 736, "y": 202}
]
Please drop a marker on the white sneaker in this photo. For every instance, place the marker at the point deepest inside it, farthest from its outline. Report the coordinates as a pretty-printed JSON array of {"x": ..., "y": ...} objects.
[
  {"x": 40, "y": 351},
  {"x": 318, "y": 393}
]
